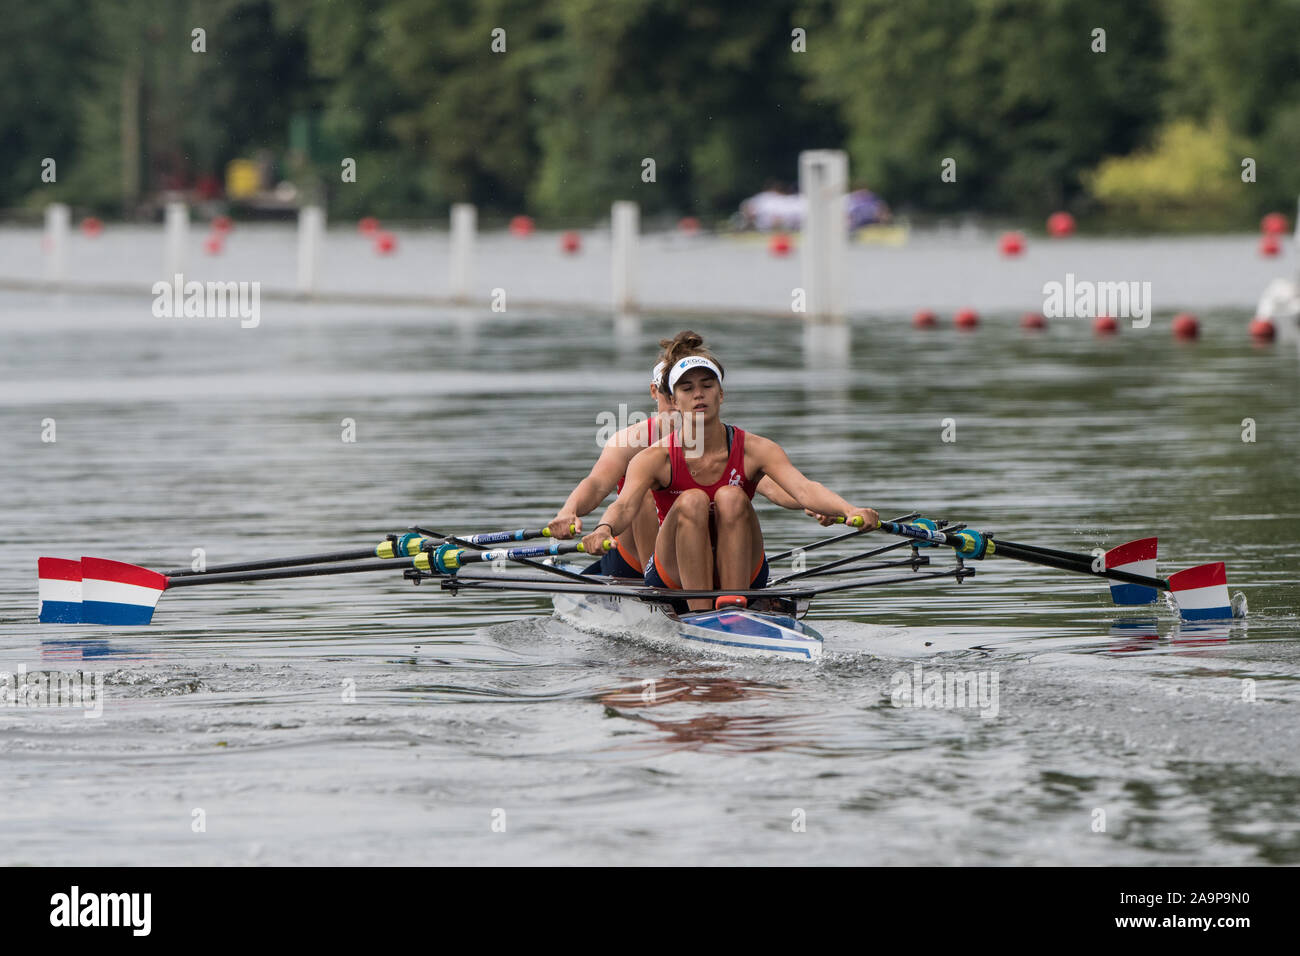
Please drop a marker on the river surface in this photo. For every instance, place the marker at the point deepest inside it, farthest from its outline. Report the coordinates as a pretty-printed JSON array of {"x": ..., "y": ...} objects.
[{"x": 360, "y": 720}]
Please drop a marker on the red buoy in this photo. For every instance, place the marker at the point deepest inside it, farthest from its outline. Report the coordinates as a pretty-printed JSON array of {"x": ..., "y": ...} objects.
[
  {"x": 966, "y": 319},
  {"x": 925, "y": 319},
  {"x": 1185, "y": 326},
  {"x": 222, "y": 224},
  {"x": 368, "y": 226},
  {"x": 521, "y": 226},
  {"x": 779, "y": 244},
  {"x": 1269, "y": 246},
  {"x": 1060, "y": 225},
  {"x": 385, "y": 243},
  {"x": 570, "y": 243},
  {"x": 1262, "y": 330},
  {"x": 91, "y": 227},
  {"x": 1033, "y": 321},
  {"x": 1105, "y": 325},
  {"x": 1274, "y": 224},
  {"x": 1011, "y": 244},
  {"x": 215, "y": 244}
]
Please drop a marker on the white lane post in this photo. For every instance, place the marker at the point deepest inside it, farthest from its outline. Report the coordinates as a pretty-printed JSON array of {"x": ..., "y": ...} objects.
[
  {"x": 57, "y": 218},
  {"x": 626, "y": 221},
  {"x": 177, "y": 232},
  {"x": 823, "y": 181},
  {"x": 1296, "y": 240},
  {"x": 311, "y": 231},
  {"x": 464, "y": 226}
]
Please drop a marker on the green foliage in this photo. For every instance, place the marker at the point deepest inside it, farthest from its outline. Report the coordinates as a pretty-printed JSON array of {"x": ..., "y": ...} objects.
[
  {"x": 1190, "y": 168},
  {"x": 711, "y": 90},
  {"x": 38, "y": 102},
  {"x": 1010, "y": 89},
  {"x": 1234, "y": 61}
]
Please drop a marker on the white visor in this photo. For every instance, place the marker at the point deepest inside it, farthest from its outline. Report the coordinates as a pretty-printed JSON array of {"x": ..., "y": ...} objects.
[
  {"x": 657, "y": 376},
  {"x": 688, "y": 363}
]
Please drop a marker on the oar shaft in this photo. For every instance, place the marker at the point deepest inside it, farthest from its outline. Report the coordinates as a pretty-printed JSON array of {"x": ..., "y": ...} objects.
[
  {"x": 425, "y": 562},
  {"x": 276, "y": 574},
  {"x": 1009, "y": 549},
  {"x": 391, "y": 547},
  {"x": 268, "y": 563}
]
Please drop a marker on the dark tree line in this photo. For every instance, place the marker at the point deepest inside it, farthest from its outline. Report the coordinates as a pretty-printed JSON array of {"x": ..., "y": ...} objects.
[{"x": 717, "y": 92}]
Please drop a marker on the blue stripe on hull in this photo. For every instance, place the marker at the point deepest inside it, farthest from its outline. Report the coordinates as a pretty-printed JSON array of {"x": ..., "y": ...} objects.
[
  {"x": 741, "y": 624},
  {"x": 730, "y": 623},
  {"x": 1133, "y": 594},
  {"x": 108, "y": 612},
  {"x": 60, "y": 612}
]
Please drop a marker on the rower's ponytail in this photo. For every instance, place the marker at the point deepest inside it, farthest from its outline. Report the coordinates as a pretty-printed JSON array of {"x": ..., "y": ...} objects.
[{"x": 680, "y": 346}]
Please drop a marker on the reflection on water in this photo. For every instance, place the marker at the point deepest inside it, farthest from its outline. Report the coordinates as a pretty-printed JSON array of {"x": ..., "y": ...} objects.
[{"x": 732, "y": 732}]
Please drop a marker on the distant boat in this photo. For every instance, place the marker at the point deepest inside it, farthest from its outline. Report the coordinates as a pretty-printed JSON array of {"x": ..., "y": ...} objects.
[{"x": 881, "y": 234}]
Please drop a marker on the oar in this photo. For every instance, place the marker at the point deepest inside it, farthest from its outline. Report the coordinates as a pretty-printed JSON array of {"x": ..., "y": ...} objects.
[
  {"x": 478, "y": 542},
  {"x": 100, "y": 591},
  {"x": 393, "y": 546},
  {"x": 442, "y": 561},
  {"x": 1201, "y": 592},
  {"x": 974, "y": 545},
  {"x": 411, "y": 545}
]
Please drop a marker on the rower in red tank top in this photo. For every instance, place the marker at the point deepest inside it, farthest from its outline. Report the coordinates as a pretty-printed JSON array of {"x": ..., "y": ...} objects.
[
  {"x": 635, "y": 546},
  {"x": 703, "y": 477},
  {"x": 733, "y": 472}
]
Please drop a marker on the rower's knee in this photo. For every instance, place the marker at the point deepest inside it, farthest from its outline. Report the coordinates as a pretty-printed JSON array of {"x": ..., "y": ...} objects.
[
  {"x": 731, "y": 502},
  {"x": 692, "y": 505}
]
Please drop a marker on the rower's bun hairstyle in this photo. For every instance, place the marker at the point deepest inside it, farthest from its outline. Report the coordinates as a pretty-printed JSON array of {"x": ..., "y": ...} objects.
[{"x": 683, "y": 345}]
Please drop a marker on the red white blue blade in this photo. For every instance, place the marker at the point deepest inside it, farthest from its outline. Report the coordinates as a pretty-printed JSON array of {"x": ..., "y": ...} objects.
[
  {"x": 1202, "y": 592},
  {"x": 113, "y": 592},
  {"x": 59, "y": 588},
  {"x": 1135, "y": 557}
]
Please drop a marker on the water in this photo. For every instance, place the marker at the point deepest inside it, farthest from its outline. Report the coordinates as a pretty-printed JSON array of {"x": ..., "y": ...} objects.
[{"x": 175, "y": 435}]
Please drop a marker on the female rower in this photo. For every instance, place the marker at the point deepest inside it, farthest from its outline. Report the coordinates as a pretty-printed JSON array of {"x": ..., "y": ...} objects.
[
  {"x": 709, "y": 536},
  {"x": 635, "y": 545}
]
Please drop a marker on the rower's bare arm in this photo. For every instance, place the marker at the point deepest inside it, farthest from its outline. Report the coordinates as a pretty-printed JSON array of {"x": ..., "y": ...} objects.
[
  {"x": 647, "y": 472},
  {"x": 808, "y": 494},
  {"x": 774, "y": 493},
  {"x": 781, "y": 498},
  {"x": 595, "y": 488}
]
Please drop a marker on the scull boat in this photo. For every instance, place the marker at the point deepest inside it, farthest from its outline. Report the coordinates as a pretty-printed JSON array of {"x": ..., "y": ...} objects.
[{"x": 101, "y": 591}]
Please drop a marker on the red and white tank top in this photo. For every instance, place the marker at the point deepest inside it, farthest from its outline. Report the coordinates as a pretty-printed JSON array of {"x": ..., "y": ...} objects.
[{"x": 733, "y": 473}]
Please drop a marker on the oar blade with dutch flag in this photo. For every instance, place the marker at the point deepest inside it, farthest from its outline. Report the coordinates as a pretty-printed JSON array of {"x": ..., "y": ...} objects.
[
  {"x": 1133, "y": 557},
  {"x": 103, "y": 591},
  {"x": 59, "y": 590},
  {"x": 1200, "y": 592}
]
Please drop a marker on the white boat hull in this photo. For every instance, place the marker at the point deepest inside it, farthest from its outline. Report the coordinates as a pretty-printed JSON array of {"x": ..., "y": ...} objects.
[{"x": 731, "y": 632}]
